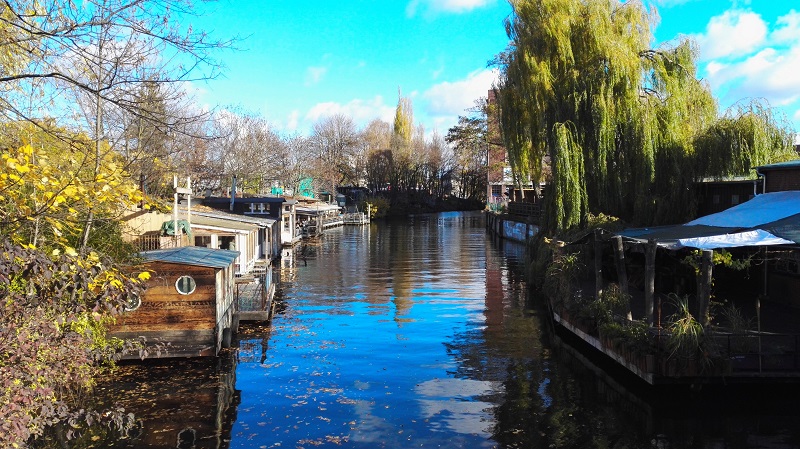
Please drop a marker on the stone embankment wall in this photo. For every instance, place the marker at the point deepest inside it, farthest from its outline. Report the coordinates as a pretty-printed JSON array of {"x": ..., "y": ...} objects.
[{"x": 507, "y": 227}]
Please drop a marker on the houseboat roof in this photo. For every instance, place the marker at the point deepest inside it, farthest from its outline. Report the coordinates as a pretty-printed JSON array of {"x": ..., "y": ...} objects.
[
  {"x": 247, "y": 199},
  {"x": 315, "y": 208},
  {"x": 222, "y": 223},
  {"x": 193, "y": 255},
  {"x": 767, "y": 219},
  {"x": 788, "y": 165},
  {"x": 209, "y": 213}
]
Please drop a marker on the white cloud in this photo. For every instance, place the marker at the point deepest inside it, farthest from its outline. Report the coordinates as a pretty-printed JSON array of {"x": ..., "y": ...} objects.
[
  {"x": 788, "y": 31},
  {"x": 453, "y": 98},
  {"x": 444, "y": 102},
  {"x": 734, "y": 33},
  {"x": 292, "y": 120},
  {"x": 764, "y": 68},
  {"x": 361, "y": 111},
  {"x": 449, "y": 6},
  {"x": 315, "y": 74},
  {"x": 769, "y": 74}
]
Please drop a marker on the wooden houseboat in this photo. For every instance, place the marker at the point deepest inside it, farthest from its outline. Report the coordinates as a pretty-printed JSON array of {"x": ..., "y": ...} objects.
[
  {"x": 256, "y": 238},
  {"x": 277, "y": 208},
  {"x": 188, "y": 306},
  {"x": 315, "y": 217}
]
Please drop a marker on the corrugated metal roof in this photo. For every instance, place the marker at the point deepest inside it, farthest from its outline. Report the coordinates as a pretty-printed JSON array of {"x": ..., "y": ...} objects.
[
  {"x": 193, "y": 255},
  {"x": 316, "y": 208}
]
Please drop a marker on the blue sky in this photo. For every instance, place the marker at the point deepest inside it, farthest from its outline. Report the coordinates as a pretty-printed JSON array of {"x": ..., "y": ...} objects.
[{"x": 300, "y": 61}]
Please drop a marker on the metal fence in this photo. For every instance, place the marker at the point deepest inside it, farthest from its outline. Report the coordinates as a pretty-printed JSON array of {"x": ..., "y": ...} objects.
[{"x": 759, "y": 352}]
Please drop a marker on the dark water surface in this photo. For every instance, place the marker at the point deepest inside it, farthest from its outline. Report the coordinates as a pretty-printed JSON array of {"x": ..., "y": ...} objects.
[{"x": 421, "y": 333}]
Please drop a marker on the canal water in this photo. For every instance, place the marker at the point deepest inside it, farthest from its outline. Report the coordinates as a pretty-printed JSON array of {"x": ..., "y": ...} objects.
[{"x": 421, "y": 333}]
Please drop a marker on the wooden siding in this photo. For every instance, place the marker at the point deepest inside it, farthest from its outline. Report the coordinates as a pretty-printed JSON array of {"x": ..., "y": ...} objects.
[
  {"x": 194, "y": 320},
  {"x": 713, "y": 197},
  {"x": 225, "y": 304},
  {"x": 782, "y": 180}
]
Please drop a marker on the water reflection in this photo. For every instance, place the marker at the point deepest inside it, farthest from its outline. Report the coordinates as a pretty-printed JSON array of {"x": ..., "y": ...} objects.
[
  {"x": 422, "y": 333},
  {"x": 176, "y": 403}
]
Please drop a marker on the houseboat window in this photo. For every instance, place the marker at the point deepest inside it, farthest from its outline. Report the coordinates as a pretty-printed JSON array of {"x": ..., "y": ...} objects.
[
  {"x": 185, "y": 285},
  {"x": 734, "y": 199},
  {"x": 202, "y": 240},
  {"x": 133, "y": 303}
]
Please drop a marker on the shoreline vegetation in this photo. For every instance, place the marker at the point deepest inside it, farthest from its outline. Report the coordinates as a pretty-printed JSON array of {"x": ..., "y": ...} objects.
[{"x": 584, "y": 105}]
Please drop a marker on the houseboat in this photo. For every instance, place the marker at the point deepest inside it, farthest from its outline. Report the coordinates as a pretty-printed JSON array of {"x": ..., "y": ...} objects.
[
  {"x": 188, "y": 306},
  {"x": 277, "y": 208}
]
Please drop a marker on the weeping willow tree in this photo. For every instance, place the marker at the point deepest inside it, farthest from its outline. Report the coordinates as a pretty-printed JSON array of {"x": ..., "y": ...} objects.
[
  {"x": 619, "y": 120},
  {"x": 747, "y": 136}
]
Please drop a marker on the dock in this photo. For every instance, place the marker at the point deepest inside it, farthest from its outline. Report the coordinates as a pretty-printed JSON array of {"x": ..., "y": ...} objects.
[
  {"x": 760, "y": 347},
  {"x": 255, "y": 298},
  {"x": 356, "y": 218}
]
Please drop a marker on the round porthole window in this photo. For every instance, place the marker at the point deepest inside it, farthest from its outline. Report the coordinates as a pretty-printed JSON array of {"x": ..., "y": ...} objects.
[
  {"x": 133, "y": 303},
  {"x": 185, "y": 285}
]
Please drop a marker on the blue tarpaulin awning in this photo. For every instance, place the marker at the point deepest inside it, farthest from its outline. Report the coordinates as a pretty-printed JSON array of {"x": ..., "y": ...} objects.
[{"x": 767, "y": 219}]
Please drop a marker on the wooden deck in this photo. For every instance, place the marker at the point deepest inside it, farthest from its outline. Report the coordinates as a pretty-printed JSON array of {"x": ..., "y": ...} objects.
[
  {"x": 753, "y": 357},
  {"x": 356, "y": 218},
  {"x": 254, "y": 295}
]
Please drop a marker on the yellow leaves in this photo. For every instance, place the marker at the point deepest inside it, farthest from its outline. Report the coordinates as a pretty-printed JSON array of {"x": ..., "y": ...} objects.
[
  {"x": 49, "y": 183},
  {"x": 143, "y": 276}
]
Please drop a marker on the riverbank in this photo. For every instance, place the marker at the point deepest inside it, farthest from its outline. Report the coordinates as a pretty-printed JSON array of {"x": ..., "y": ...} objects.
[
  {"x": 511, "y": 227},
  {"x": 414, "y": 203},
  {"x": 751, "y": 340}
]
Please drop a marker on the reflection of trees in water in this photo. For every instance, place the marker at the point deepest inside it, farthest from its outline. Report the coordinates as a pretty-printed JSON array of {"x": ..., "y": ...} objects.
[
  {"x": 542, "y": 403},
  {"x": 179, "y": 403},
  {"x": 508, "y": 354},
  {"x": 626, "y": 414}
]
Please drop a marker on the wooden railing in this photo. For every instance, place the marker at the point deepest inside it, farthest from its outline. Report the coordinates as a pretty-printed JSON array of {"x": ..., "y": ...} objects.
[
  {"x": 524, "y": 209},
  {"x": 149, "y": 242}
]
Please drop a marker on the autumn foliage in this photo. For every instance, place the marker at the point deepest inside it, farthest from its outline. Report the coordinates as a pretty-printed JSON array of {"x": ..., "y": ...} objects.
[
  {"x": 52, "y": 337},
  {"x": 57, "y": 296}
]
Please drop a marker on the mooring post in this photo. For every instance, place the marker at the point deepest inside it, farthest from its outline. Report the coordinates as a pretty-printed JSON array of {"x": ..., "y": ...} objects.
[
  {"x": 598, "y": 264},
  {"x": 649, "y": 279},
  {"x": 704, "y": 294},
  {"x": 622, "y": 273}
]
